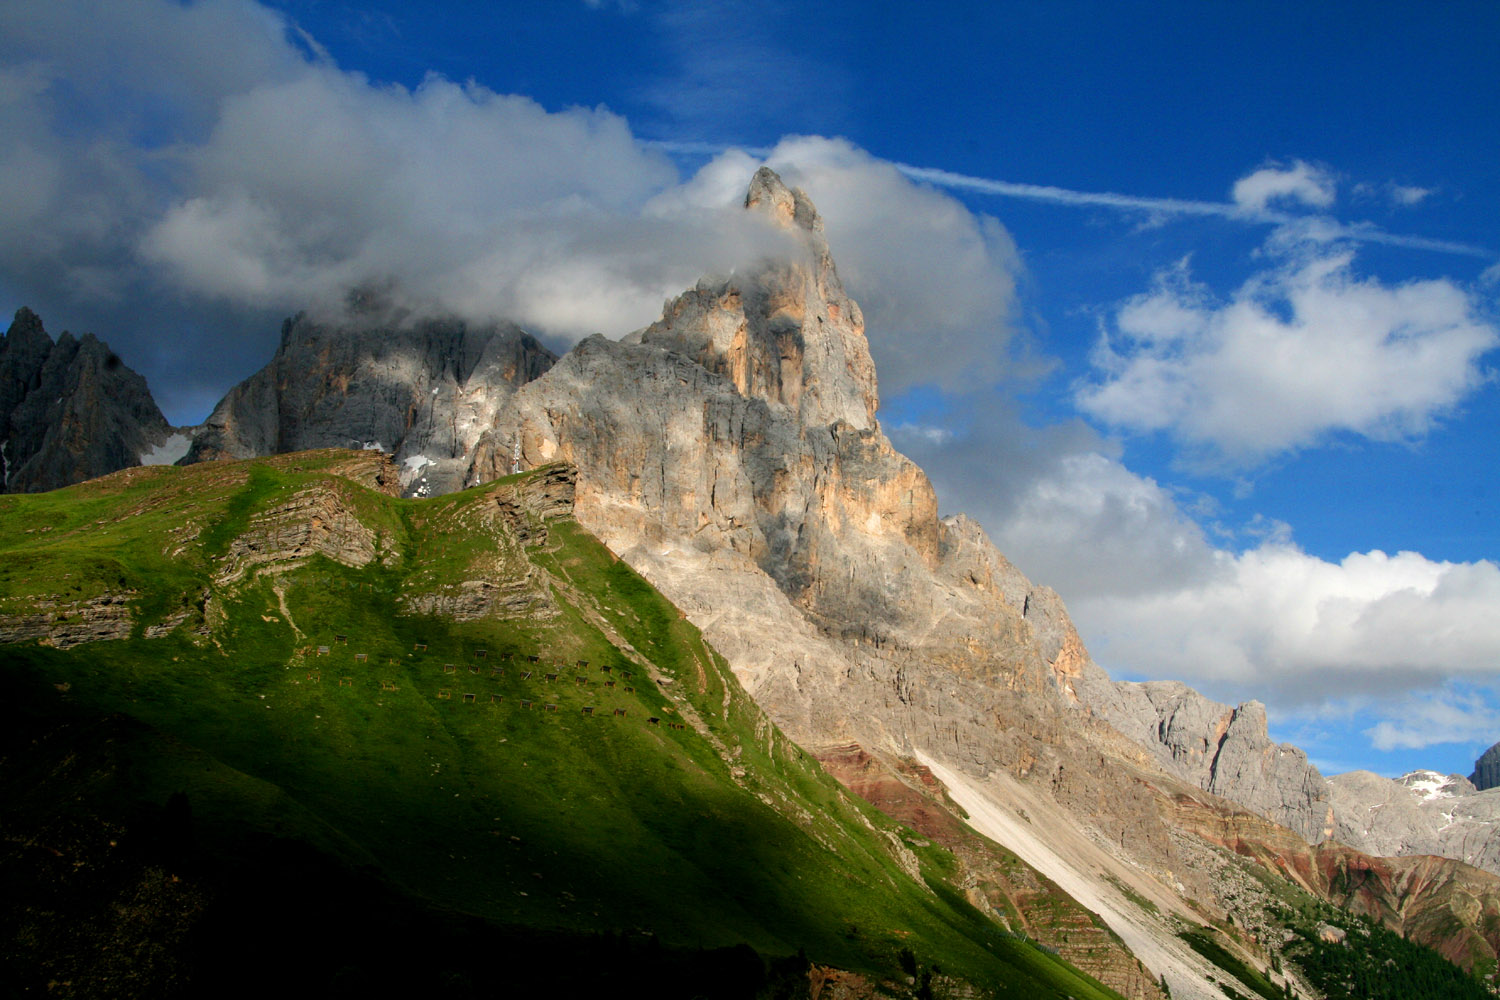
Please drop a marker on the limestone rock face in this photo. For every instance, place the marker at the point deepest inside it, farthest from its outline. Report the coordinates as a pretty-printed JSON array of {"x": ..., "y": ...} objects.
[
  {"x": 1220, "y": 749},
  {"x": 1380, "y": 816},
  {"x": 423, "y": 390},
  {"x": 72, "y": 623},
  {"x": 69, "y": 410},
  {"x": 1423, "y": 812},
  {"x": 319, "y": 520}
]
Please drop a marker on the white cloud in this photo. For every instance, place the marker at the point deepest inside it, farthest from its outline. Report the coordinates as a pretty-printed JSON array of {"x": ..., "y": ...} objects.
[
  {"x": 482, "y": 203},
  {"x": 1406, "y": 194},
  {"x": 1155, "y": 597},
  {"x": 1302, "y": 350},
  {"x": 272, "y": 179},
  {"x": 1303, "y": 630},
  {"x": 1445, "y": 717},
  {"x": 1058, "y": 503},
  {"x": 1300, "y": 183}
]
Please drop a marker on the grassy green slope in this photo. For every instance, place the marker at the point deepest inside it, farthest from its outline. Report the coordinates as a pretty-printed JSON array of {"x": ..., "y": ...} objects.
[{"x": 708, "y": 828}]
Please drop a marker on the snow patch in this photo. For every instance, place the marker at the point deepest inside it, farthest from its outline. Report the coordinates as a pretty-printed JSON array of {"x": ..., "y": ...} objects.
[
  {"x": 416, "y": 463},
  {"x": 169, "y": 451},
  {"x": 372, "y": 446},
  {"x": 1428, "y": 785}
]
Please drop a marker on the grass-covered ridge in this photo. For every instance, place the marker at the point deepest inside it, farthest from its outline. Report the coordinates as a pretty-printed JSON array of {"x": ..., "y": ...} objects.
[{"x": 414, "y": 769}]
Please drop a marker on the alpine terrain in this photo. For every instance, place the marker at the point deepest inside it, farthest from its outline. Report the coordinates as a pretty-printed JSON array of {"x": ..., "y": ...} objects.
[{"x": 658, "y": 654}]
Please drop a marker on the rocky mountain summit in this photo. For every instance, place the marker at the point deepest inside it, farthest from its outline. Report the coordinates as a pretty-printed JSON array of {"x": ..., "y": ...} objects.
[
  {"x": 71, "y": 411},
  {"x": 1423, "y": 812}
]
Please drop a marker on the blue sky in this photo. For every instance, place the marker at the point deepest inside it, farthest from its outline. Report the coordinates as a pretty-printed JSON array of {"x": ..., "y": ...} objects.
[{"x": 1193, "y": 305}]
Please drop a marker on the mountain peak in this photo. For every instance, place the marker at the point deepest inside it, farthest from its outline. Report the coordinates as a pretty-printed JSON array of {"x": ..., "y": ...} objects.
[
  {"x": 789, "y": 207},
  {"x": 26, "y": 337}
]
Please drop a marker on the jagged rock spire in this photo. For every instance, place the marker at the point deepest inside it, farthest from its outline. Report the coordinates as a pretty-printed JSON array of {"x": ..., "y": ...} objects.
[
  {"x": 785, "y": 332},
  {"x": 69, "y": 411},
  {"x": 789, "y": 206}
]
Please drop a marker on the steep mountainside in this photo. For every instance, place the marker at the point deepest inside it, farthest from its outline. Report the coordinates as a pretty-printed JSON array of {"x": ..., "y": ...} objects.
[
  {"x": 71, "y": 410},
  {"x": 447, "y": 746},
  {"x": 423, "y": 390},
  {"x": 1487, "y": 769},
  {"x": 731, "y": 455},
  {"x": 1220, "y": 749}
]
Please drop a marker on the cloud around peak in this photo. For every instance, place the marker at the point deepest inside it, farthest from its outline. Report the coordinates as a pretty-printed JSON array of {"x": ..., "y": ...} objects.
[{"x": 276, "y": 180}]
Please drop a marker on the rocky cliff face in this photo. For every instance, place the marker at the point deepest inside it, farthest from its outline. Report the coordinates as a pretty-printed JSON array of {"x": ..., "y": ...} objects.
[
  {"x": 71, "y": 411},
  {"x": 1487, "y": 769},
  {"x": 421, "y": 389},
  {"x": 1422, "y": 813},
  {"x": 1220, "y": 749}
]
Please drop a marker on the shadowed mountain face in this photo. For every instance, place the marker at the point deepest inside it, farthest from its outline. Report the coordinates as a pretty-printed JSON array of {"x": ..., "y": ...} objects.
[{"x": 71, "y": 410}]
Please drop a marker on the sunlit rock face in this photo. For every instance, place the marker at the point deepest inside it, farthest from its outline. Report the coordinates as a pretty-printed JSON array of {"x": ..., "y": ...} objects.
[
  {"x": 1423, "y": 812},
  {"x": 1220, "y": 749}
]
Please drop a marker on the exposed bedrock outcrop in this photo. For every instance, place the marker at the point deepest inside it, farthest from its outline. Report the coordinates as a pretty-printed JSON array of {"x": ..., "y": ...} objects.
[{"x": 421, "y": 389}]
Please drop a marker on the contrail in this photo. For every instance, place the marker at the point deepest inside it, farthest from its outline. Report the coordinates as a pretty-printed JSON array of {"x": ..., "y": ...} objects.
[
  {"x": 1360, "y": 232},
  {"x": 1063, "y": 196},
  {"x": 1329, "y": 228}
]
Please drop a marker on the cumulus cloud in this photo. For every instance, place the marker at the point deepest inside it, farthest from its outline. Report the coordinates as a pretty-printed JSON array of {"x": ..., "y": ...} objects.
[
  {"x": 1300, "y": 351},
  {"x": 1301, "y": 183},
  {"x": 272, "y": 179},
  {"x": 471, "y": 201},
  {"x": 1059, "y": 503},
  {"x": 1156, "y": 596},
  {"x": 1304, "y": 629}
]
